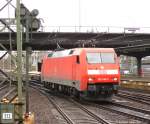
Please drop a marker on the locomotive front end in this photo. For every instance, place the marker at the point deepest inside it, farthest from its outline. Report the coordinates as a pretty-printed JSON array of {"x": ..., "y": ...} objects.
[{"x": 103, "y": 74}]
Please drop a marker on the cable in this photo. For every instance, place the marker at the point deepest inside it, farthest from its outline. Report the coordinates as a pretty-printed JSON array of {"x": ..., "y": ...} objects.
[{"x": 79, "y": 15}]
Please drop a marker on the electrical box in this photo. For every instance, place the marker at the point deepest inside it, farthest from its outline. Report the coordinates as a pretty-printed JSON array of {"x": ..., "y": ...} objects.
[{"x": 6, "y": 113}]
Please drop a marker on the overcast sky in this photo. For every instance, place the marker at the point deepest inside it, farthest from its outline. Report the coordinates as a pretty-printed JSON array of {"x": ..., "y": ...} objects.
[
  {"x": 124, "y": 13},
  {"x": 119, "y": 13}
]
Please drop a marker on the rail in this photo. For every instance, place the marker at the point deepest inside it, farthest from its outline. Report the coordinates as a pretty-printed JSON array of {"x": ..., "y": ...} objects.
[
  {"x": 131, "y": 108},
  {"x": 3, "y": 87},
  {"x": 136, "y": 113},
  {"x": 135, "y": 98},
  {"x": 42, "y": 90},
  {"x": 101, "y": 120},
  {"x": 10, "y": 95},
  {"x": 125, "y": 113},
  {"x": 66, "y": 117}
]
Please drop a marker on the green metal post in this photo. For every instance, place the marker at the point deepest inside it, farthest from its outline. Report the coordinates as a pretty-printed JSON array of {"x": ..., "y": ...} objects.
[
  {"x": 28, "y": 49},
  {"x": 27, "y": 64},
  {"x": 19, "y": 60}
]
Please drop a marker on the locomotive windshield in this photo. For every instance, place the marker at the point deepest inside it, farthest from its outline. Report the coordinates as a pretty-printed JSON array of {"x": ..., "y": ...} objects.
[{"x": 95, "y": 58}]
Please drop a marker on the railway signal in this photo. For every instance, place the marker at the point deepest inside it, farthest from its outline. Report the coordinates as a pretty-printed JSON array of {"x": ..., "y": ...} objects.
[{"x": 33, "y": 22}]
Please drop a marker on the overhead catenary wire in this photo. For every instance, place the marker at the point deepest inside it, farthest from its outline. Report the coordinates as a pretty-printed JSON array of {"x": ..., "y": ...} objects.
[{"x": 79, "y": 15}]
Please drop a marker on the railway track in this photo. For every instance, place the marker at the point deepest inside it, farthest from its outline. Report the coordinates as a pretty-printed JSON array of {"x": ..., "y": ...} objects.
[
  {"x": 11, "y": 95},
  {"x": 126, "y": 112},
  {"x": 58, "y": 108},
  {"x": 3, "y": 87},
  {"x": 77, "y": 113},
  {"x": 130, "y": 107},
  {"x": 145, "y": 99},
  {"x": 114, "y": 108},
  {"x": 44, "y": 92},
  {"x": 3, "y": 90},
  {"x": 83, "y": 115},
  {"x": 143, "y": 96},
  {"x": 99, "y": 119}
]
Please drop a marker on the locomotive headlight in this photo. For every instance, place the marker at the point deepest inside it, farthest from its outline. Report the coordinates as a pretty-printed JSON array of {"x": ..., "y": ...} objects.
[
  {"x": 90, "y": 79},
  {"x": 115, "y": 79}
]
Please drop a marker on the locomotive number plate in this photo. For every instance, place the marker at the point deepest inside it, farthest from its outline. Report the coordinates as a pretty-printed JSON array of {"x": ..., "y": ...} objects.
[{"x": 7, "y": 116}]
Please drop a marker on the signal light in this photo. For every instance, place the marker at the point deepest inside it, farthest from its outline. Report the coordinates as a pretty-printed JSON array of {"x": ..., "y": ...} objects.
[{"x": 25, "y": 15}]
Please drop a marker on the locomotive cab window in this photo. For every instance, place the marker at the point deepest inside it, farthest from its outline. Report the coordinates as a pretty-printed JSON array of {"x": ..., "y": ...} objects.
[
  {"x": 93, "y": 58},
  {"x": 50, "y": 55},
  {"x": 96, "y": 58},
  {"x": 71, "y": 52},
  {"x": 108, "y": 57}
]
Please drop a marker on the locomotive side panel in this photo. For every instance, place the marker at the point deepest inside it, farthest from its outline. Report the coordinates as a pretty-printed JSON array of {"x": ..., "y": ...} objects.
[{"x": 63, "y": 71}]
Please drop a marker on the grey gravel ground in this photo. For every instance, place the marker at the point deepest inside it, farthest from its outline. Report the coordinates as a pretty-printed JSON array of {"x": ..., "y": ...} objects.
[{"x": 41, "y": 108}]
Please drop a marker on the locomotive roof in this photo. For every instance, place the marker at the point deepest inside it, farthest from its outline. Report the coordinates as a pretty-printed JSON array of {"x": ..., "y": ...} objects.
[
  {"x": 77, "y": 51},
  {"x": 94, "y": 49}
]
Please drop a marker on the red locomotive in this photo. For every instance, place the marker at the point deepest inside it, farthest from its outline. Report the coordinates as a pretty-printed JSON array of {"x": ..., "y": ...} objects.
[{"x": 90, "y": 73}]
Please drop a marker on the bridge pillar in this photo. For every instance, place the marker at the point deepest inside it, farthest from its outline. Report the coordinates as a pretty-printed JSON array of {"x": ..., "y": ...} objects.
[{"x": 139, "y": 67}]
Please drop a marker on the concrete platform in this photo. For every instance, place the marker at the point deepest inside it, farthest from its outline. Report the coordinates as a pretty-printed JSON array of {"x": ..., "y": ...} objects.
[
  {"x": 139, "y": 83},
  {"x": 135, "y": 78}
]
